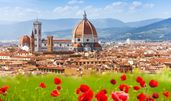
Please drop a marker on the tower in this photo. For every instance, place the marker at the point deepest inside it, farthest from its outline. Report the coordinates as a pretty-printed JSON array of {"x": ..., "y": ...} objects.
[
  {"x": 32, "y": 42},
  {"x": 85, "y": 36},
  {"x": 37, "y": 34},
  {"x": 50, "y": 43}
]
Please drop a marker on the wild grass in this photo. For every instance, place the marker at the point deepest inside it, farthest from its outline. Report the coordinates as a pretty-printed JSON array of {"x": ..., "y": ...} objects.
[{"x": 26, "y": 88}]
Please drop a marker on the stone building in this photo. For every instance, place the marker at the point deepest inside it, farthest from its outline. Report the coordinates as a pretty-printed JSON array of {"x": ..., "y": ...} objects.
[
  {"x": 25, "y": 42},
  {"x": 36, "y": 36},
  {"x": 85, "y": 36},
  {"x": 84, "y": 39}
]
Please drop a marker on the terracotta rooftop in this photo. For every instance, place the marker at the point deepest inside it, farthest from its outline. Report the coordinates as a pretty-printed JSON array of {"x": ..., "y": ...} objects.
[
  {"x": 52, "y": 67},
  {"x": 5, "y": 54},
  {"x": 62, "y": 41},
  {"x": 85, "y": 27},
  {"x": 161, "y": 60}
]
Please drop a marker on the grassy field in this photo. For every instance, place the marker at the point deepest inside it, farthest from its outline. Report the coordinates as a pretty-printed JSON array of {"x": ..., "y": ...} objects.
[{"x": 26, "y": 88}]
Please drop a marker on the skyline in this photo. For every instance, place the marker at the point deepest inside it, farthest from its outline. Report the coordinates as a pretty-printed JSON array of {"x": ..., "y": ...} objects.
[{"x": 125, "y": 10}]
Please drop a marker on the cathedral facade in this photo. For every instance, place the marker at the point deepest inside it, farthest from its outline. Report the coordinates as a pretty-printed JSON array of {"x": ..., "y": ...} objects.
[{"x": 84, "y": 38}]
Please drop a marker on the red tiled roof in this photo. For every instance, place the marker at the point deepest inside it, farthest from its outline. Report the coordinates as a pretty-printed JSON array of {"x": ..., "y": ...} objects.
[
  {"x": 21, "y": 57},
  {"x": 85, "y": 27},
  {"x": 21, "y": 51},
  {"x": 161, "y": 60},
  {"x": 5, "y": 54},
  {"x": 62, "y": 40},
  {"x": 77, "y": 45},
  {"x": 52, "y": 67},
  {"x": 97, "y": 45},
  {"x": 25, "y": 39}
]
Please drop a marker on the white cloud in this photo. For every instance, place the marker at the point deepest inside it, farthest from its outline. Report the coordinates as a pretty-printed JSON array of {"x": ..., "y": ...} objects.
[
  {"x": 166, "y": 13},
  {"x": 139, "y": 5},
  {"x": 135, "y": 5},
  {"x": 72, "y": 2},
  {"x": 150, "y": 5},
  {"x": 116, "y": 6},
  {"x": 125, "y": 6},
  {"x": 65, "y": 11},
  {"x": 13, "y": 13},
  {"x": 114, "y": 10},
  {"x": 119, "y": 5}
]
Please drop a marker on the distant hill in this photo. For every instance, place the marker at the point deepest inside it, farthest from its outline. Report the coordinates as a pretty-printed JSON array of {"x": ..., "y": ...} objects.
[
  {"x": 15, "y": 30},
  {"x": 142, "y": 23},
  {"x": 115, "y": 33},
  {"x": 108, "y": 29},
  {"x": 157, "y": 31}
]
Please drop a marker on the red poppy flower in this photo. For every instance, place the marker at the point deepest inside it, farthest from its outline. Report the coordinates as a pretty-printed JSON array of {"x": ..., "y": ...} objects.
[
  {"x": 142, "y": 83},
  {"x": 153, "y": 83},
  {"x": 78, "y": 91},
  {"x": 3, "y": 89},
  {"x": 121, "y": 87},
  {"x": 155, "y": 95},
  {"x": 123, "y": 77},
  {"x": 42, "y": 85},
  {"x": 86, "y": 96},
  {"x": 54, "y": 93},
  {"x": 139, "y": 79},
  {"x": 58, "y": 87},
  {"x": 113, "y": 81},
  {"x": 136, "y": 88},
  {"x": 127, "y": 89},
  {"x": 141, "y": 97},
  {"x": 84, "y": 88},
  {"x": 57, "y": 81},
  {"x": 119, "y": 96},
  {"x": 124, "y": 87},
  {"x": 149, "y": 99},
  {"x": 0, "y": 99},
  {"x": 101, "y": 96},
  {"x": 166, "y": 94},
  {"x": 104, "y": 91}
]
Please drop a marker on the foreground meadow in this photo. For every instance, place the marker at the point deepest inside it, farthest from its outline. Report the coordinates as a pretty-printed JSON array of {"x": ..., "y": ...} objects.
[{"x": 26, "y": 88}]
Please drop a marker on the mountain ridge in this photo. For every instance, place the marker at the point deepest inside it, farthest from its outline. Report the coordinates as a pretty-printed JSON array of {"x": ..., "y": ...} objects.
[{"x": 108, "y": 28}]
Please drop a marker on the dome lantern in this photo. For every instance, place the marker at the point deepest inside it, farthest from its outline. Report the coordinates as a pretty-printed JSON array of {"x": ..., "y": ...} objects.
[{"x": 85, "y": 15}]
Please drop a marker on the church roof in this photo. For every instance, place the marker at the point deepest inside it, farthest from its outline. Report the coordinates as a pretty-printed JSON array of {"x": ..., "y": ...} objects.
[
  {"x": 77, "y": 45},
  {"x": 25, "y": 40},
  {"x": 97, "y": 45},
  {"x": 58, "y": 41},
  {"x": 85, "y": 27}
]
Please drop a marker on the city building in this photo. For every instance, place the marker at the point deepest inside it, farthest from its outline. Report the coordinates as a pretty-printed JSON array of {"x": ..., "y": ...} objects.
[
  {"x": 85, "y": 36},
  {"x": 25, "y": 42},
  {"x": 84, "y": 39},
  {"x": 36, "y": 37}
]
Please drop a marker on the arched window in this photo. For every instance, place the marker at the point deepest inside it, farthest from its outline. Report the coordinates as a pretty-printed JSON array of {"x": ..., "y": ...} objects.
[
  {"x": 35, "y": 31},
  {"x": 39, "y": 31}
]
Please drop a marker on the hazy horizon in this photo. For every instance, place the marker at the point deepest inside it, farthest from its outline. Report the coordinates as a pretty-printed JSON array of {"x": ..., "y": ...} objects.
[{"x": 16, "y": 21}]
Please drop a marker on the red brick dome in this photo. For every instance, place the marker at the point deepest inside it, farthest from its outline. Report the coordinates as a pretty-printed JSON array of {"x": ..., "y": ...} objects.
[
  {"x": 97, "y": 45},
  {"x": 77, "y": 45},
  {"x": 85, "y": 27},
  {"x": 25, "y": 40}
]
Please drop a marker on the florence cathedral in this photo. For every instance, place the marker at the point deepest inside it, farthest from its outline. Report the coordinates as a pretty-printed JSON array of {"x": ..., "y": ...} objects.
[{"x": 84, "y": 38}]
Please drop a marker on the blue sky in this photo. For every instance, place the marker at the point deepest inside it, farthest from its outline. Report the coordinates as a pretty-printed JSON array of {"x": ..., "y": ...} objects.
[{"x": 125, "y": 10}]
